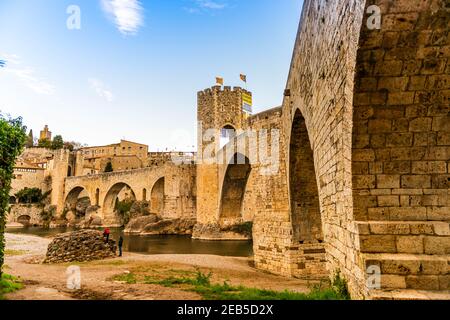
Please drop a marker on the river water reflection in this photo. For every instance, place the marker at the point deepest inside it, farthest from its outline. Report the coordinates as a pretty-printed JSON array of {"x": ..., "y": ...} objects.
[{"x": 159, "y": 244}]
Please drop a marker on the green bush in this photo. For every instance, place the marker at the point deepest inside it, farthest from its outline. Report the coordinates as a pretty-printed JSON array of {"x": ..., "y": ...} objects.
[
  {"x": 47, "y": 216},
  {"x": 31, "y": 195},
  {"x": 9, "y": 284},
  {"x": 123, "y": 209},
  {"x": 340, "y": 285}
]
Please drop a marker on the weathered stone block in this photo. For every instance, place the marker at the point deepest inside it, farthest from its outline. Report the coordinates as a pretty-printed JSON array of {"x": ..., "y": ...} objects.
[
  {"x": 422, "y": 282},
  {"x": 389, "y": 228},
  {"x": 389, "y": 281},
  {"x": 426, "y": 167},
  {"x": 397, "y": 167},
  {"x": 416, "y": 181},
  {"x": 437, "y": 245},
  {"x": 410, "y": 244},
  {"x": 420, "y": 125},
  {"x": 388, "y": 201},
  {"x": 363, "y": 181},
  {"x": 378, "y": 243},
  {"x": 401, "y": 98},
  {"x": 405, "y": 214},
  {"x": 388, "y": 181},
  {"x": 380, "y": 126}
]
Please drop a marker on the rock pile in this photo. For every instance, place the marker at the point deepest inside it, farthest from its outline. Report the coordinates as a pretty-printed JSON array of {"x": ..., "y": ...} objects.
[
  {"x": 216, "y": 232},
  {"x": 153, "y": 225},
  {"x": 79, "y": 246}
]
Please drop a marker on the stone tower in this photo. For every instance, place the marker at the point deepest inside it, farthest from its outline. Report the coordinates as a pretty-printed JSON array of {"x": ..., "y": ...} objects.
[
  {"x": 59, "y": 166},
  {"x": 45, "y": 134},
  {"x": 219, "y": 111}
]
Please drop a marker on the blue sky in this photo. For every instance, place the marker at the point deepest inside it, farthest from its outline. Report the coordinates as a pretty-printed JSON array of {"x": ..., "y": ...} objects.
[{"x": 133, "y": 69}]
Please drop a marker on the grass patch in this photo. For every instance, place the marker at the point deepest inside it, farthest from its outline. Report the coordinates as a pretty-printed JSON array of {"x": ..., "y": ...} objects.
[
  {"x": 201, "y": 284},
  {"x": 15, "y": 252},
  {"x": 129, "y": 278},
  {"x": 109, "y": 263},
  {"x": 9, "y": 284}
]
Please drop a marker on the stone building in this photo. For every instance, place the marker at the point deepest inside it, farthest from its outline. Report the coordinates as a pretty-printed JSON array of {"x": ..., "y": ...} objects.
[
  {"x": 26, "y": 175},
  {"x": 125, "y": 155}
]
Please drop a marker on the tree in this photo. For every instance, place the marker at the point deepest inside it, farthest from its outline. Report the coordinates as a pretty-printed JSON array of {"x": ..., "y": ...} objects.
[
  {"x": 57, "y": 143},
  {"x": 30, "y": 140},
  {"x": 73, "y": 145},
  {"x": 109, "y": 167},
  {"x": 12, "y": 140},
  {"x": 44, "y": 143},
  {"x": 31, "y": 195}
]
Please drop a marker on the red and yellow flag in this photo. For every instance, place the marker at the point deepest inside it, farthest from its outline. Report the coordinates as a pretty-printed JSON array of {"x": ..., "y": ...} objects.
[
  {"x": 243, "y": 78},
  {"x": 219, "y": 80}
]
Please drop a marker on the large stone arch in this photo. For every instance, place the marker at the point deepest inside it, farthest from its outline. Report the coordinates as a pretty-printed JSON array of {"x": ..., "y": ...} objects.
[
  {"x": 304, "y": 195},
  {"x": 109, "y": 215},
  {"x": 233, "y": 190},
  {"x": 72, "y": 199},
  {"x": 157, "y": 197}
]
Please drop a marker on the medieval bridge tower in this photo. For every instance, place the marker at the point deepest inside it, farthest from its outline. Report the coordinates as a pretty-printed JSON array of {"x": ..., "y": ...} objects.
[{"x": 220, "y": 118}]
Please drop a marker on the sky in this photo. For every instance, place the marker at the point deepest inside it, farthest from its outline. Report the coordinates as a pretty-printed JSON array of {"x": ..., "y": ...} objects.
[{"x": 97, "y": 71}]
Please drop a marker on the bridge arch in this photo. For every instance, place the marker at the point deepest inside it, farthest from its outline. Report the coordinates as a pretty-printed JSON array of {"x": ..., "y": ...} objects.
[
  {"x": 116, "y": 192},
  {"x": 73, "y": 197},
  {"x": 12, "y": 200},
  {"x": 24, "y": 220},
  {"x": 304, "y": 194},
  {"x": 233, "y": 189},
  {"x": 157, "y": 197}
]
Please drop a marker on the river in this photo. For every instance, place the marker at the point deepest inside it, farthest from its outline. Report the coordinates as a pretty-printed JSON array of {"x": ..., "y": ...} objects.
[{"x": 159, "y": 244}]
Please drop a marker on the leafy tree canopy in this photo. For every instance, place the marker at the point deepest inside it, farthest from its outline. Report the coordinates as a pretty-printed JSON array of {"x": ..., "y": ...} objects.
[{"x": 12, "y": 140}]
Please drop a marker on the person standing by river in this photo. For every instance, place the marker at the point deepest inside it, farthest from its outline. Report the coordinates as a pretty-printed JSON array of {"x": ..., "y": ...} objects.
[
  {"x": 106, "y": 234},
  {"x": 120, "y": 245}
]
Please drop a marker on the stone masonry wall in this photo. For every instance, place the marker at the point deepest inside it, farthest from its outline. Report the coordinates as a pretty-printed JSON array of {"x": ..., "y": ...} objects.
[
  {"x": 401, "y": 144},
  {"x": 320, "y": 86}
]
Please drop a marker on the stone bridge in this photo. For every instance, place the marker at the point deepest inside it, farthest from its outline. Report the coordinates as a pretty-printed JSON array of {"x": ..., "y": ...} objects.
[
  {"x": 169, "y": 188},
  {"x": 363, "y": 183}
]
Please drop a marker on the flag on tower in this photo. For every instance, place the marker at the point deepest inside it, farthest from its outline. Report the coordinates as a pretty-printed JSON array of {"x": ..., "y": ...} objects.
[
  {"x": 243, "y": 78},
  {"x": 219, "y": 80}
]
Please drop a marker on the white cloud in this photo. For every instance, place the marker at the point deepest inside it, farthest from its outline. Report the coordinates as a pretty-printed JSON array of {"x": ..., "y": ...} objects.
[
  {"x": 26, "y": 75},
  {"x": 209, "y": 4},
  {"x": 101, "y": 89},
  {"x": 126, "y": 14},
  {"x": 199, "y": 6}
]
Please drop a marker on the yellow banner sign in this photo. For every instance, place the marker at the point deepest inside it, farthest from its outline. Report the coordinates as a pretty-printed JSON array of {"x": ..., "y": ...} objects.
[{"x": 247, "y": 99}]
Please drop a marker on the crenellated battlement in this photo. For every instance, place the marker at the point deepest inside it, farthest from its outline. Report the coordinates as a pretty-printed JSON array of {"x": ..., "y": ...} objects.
[{"x": 220, "y": 89}]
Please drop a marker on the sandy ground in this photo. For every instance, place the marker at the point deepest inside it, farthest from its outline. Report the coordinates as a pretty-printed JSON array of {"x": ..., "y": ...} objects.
[{"x": 48, "y": 282}]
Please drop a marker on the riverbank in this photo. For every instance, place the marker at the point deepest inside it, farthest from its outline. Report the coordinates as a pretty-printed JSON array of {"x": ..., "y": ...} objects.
[{"x": 99, "y": 279}]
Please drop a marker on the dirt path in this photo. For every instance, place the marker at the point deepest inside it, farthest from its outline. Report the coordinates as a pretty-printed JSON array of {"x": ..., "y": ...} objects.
[{"x": 48, "y": 282}]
